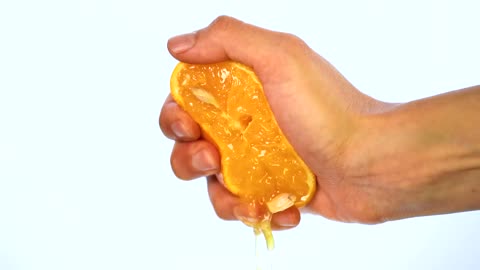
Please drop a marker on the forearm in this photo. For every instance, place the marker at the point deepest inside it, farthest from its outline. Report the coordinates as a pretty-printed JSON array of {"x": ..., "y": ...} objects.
[{"x": 429, "y": 152}]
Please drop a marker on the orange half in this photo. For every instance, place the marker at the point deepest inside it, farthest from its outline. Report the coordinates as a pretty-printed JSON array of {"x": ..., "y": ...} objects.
[{"x": 257, "y": 162}]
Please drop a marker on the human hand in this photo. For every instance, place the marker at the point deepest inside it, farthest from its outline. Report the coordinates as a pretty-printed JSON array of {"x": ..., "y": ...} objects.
[
  {"x": 325, "y": 118},
  {"x": 313, "y": 104}
]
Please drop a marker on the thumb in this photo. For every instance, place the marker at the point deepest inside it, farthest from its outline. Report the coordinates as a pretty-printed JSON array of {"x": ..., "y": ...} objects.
[{"x": 227, "y": 38}]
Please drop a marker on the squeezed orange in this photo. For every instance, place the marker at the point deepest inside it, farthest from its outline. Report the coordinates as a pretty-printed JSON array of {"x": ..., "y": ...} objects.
[{"x": 257, "y": 162}]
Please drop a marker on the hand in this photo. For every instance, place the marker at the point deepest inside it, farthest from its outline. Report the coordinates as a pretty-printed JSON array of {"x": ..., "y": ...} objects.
[
  {"x": 337, "y": 130},
  {"x": 314, "y": 105}
]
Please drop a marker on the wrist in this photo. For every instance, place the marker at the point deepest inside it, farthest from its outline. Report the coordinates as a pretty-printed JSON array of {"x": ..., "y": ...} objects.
[{"x": 416, "y": 161}]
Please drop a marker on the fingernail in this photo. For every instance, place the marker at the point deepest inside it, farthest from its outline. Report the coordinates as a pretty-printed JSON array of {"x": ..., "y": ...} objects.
[
  {"x": 182, "y": 43},
  {"x": 203, "y": 161},
  {"x": 179, "y": 130},
  {"x": 284, "y": 221}
]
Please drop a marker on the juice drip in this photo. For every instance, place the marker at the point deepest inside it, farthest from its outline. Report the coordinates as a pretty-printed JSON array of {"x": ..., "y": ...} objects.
[
  {"x": 260, "y": 221},
  {"x": 263, "y": 254},
  {"x": 261, "y": 226},
  {"x": 264, "y": 228}
]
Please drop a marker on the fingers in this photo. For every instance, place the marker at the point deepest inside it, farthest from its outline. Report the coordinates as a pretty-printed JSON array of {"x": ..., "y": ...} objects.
[
  {"x": 229, "y": 207},
  {"x": 191, "y": 160},
  {"x": 176, "y": 124}
]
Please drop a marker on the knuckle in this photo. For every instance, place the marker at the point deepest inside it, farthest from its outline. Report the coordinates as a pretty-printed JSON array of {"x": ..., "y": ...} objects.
[
  {"x": 222, "y": 23},
  {"x": 291, "y": 50},
  {"x": 177, "y": 168},
  {"x": 165, "y": 119},
  {"x": 163, "y": 125},
  {"x": 295, "y": 42}
]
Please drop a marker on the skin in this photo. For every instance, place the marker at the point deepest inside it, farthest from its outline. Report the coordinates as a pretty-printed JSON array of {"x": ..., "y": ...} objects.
[{"x": 374, "y": 161}]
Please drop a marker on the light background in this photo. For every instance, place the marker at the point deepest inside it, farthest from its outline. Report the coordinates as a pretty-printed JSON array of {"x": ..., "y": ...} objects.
[{"x": 85, "y": 181}]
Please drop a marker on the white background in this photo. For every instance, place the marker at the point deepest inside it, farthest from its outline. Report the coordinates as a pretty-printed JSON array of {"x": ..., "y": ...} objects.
[{"x": 85, "y": 181}]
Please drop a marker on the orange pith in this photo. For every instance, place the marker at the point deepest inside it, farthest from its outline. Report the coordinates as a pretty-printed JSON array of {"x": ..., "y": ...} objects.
[{"x": 227, "y": 100}]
